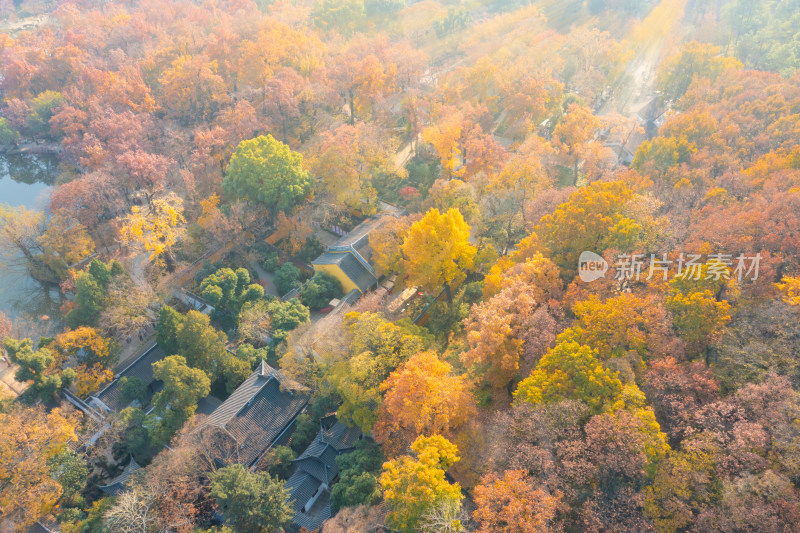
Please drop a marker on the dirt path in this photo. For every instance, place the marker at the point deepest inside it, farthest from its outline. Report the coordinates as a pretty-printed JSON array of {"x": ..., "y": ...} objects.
[
  {"x": 136, "y": 347},
  {"x": 267, "y": 277},
  {"x": 12, "y": 27},
  {"x": 138, "y": 266},
  {"x": 9, "y": 386},
  {"x": 650, "y": 39},
  {"x": 404, "y": 154}
]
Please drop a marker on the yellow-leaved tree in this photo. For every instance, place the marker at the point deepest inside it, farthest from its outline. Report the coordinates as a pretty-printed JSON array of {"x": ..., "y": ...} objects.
[
  {"x": 412, "y": 486},
  {"x": 790, "y": 287},
  {"x": 437, "y": 251},
  {"x": 526, "y": 249},
  {"x": 31, "y": 436},
  {"x": 386, "y": 243},
  {"x": 446, "y": 136},
  {"x": 210, "y": 210},
  {"x": 93, "y": 355},
  {"x": 376, "y": 348},
  {"x": 699, "y": 318},
  {"x": 65, "y": 242},
  {"x": 20, "y": 229},
  {"x": 693, "y": 60},
  {"x": 570, "y": 371},
  {"x": 594, "y": 218},
  {"x": 620, "y": 325},
  {"x": 156, "y": 229}
]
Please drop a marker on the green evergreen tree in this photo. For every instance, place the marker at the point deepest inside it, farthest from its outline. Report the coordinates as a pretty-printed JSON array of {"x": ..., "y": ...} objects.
[{"x": 253, "y": 502}]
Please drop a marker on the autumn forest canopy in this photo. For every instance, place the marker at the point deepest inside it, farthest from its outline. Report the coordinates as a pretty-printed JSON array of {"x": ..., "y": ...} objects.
[{"x": 438, "y": 265}]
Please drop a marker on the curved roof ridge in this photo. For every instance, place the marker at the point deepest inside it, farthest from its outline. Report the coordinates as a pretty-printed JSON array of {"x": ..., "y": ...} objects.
[{"x": 118, "y": 482}]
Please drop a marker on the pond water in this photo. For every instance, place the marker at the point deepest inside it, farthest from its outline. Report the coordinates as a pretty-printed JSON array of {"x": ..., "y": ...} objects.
[{"x": 27, "y": 180}]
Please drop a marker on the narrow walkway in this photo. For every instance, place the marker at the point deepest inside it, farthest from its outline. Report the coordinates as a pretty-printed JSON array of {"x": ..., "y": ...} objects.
[
  {"x": 133, "y": 349},
  {"x": 404, "y": 155},
  {"x": 267, "y": 278},
  {"x": 8, "y": 383}
]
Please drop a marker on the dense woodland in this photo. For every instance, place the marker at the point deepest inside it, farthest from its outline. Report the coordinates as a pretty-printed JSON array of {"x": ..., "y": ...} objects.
[{"x": 525, "y": 399}]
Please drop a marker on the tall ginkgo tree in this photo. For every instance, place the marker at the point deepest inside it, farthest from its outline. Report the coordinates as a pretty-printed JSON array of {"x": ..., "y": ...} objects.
[
  {"x": 156, "y": 229},
  {"x": 412, "y": 485},
  {"x": 422, "y": 397},
  {"x": 31, "y": 437},
  {"x": 437, "y": 251}
]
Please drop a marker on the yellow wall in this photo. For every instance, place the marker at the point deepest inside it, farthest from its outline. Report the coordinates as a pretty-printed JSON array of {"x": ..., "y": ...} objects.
[{"x": 336, "y": 272}]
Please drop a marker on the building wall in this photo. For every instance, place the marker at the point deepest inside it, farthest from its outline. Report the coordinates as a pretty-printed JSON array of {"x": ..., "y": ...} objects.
[{"x": 336, "y": 272}]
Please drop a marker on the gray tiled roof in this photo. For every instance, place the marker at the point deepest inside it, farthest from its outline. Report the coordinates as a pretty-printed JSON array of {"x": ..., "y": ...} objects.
[
  {"x": 358, "y": 238},
  {"x": 243, "y": 394},
  {"x": 316, "y": 467},
  {"x": 351, "y": 297},
  {"x": 302, "y": 487},
  {"x": 141, "y": 368},
  {"x": 353, "y": 254},
  {"x": 341, "y": 436},
  {"x": 314, "y": 449},
  {"x": 46, "y": 524},
  {"x": 258, "y": 411},
  {"x": 207, "y": 405},
  {"x": 351, "y": 266},
  {"x": 40, "y": 527},
  {"x": 117, "y": 485}
]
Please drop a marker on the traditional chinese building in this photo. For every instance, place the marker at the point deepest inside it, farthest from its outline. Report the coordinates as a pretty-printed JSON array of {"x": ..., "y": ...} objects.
[
  {"x": 111, "y": 398},
  {"x": 349, "y": 258},
  {"x": 316, "y": 471},
  {"x": 117, "y": 486},
  {"x": 257, "y": 416}
]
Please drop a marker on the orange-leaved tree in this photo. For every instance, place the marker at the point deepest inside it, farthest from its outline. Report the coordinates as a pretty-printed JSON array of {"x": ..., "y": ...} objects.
[
  {"x": 386, "y": 243},
  {"x": 31, "y": 436},
  {"x": 422, "y": 397},
  {"x": 512, "y": 502},
  {"x": 496, "y": 328},
  {"x": 573, "y": 135}
]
